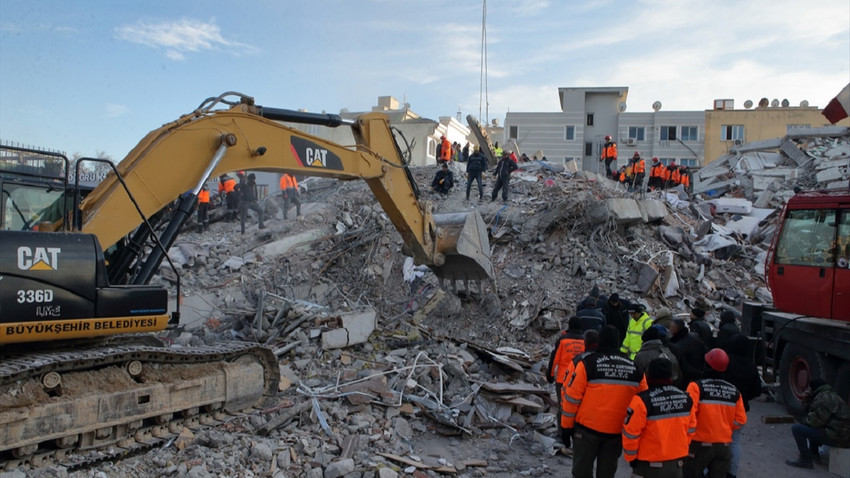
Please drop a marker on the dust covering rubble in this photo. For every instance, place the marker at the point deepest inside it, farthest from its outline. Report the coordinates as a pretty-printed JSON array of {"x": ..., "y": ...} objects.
[{"x": 385, "y": 373}]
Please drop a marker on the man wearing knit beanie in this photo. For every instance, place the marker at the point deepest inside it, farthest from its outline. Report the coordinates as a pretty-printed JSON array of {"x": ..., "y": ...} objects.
[{"x": 658, "y": 425}]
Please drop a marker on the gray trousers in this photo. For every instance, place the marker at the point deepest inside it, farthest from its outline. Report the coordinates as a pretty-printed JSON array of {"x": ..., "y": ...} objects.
[
  {"x": 243, "y": 212},
  {"x": 292, "y": 197}
]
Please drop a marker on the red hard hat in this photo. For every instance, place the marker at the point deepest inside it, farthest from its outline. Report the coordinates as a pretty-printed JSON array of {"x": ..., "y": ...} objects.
[
  {"x": 607, "y": 137},
  {"x": 637, "y": 154},
  {"x": 655, "y": 159},
  {"x": 717, "y": 359}
]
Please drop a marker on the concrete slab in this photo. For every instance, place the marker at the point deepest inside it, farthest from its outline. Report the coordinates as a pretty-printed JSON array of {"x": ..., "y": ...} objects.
[
  {"x": 772, "y": 143},
  {"x": 356, "y": 329},
  {"x": 652, "y": 210},
  {"x": 196, "y": 310},
  {"x": 831, "y": 174},
  {"x": 824, "y": 131},
  {"x": 286, "y": 244},
  {"x": 624, "y": 210},
  {"x": 845, "y": 184},
  {"x": 746, "y": 226},
  {"x": 732, "y": 205},
  {"x": 790, "y": 150}
]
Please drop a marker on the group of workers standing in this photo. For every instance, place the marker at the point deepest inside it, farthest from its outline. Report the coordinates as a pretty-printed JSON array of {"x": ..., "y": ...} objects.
[
  {"x": 633, "y": 174},
  {"x": 242, "y": 196},
  {"x": 669, "y": 395},
  {"x": 476, "y": 166}
]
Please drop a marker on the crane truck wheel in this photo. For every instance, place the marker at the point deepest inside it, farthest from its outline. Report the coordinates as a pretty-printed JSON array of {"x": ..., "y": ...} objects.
[{"x": 797, "y": 367}]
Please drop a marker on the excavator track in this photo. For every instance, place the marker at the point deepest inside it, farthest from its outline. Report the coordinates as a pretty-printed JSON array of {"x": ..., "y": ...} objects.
[{"x": 81, "y": 406}]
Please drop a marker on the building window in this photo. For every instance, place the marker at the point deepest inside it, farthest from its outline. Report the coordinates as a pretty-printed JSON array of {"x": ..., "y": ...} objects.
[
  {"x": 513, "y": 132},
  {"x": 569, "y": 133},
  {"x": 667, "y": 161},
  {"x": 432, "y": 148},
  {"x": 668, "y": 133},
  {"x": 590, "y": 119},
  {"x": 588, "y": 149},
  {"x": 637, "y": 133},
  {"x": 689, "y": 133},
  {"x": 689, "y": 162},
  {"x": 731, "y": 132}
]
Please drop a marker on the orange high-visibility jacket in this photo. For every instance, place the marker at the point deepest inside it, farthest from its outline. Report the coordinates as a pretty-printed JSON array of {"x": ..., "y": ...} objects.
[
  {"x": 676, "y": 176},
  {"x": 657, "y": 171},
  {"x": 659, "y": 424},
  {"x": 622, "y": 176},
  {"x": 609, "y": 151},
  {"x": 204, "y": 196},
  {"x": 685, "y": 180},
  {"x": 288, "y": 181},
  {"x": 227, "y": 186},
  {"x": 568, "y": 346},
  {"x": 446, "y": 150},
  {"x": 640, "y": 166},
  {"x": 597, "y": 394},
  {"x": 719, "y": 410}
]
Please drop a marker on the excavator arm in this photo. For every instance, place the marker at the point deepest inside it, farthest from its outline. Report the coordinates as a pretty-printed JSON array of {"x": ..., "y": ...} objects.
[{"x": 180, "y": 156}]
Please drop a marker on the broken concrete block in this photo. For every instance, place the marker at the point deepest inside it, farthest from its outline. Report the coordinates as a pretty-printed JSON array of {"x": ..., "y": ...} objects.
[
  {"x": 356, "y": 329},
  {"x": 646, "y": 277},
  {"x": 339, "y": 468},
  {"x": 652, "y": 210},
  {"x": 624, "y": 210},
  {"x": 831, "y": 174},
  {"x": 732, "y": 205},
  {"x": 746, "y": 226},
  {"x": 790, "y": 150}
]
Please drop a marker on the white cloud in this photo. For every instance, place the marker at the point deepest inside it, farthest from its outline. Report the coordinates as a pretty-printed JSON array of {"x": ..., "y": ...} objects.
[
  {"x": 114, "y": 110},
  {"x": 180, "y": 37}
]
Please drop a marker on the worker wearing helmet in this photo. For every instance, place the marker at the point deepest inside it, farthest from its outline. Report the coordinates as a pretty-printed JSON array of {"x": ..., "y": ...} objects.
[
  {"x": 445, "y": 150},
  {"x": 609, "y": 154},
  {"x": 640, "y": 321},
  {"x": 658, "y": 425},
  {"x": 639, "y": 171},
  {"x": 227, "y": 190},
  {"x": 719, "y": 411},
  {"x": 656, "y": 172}
]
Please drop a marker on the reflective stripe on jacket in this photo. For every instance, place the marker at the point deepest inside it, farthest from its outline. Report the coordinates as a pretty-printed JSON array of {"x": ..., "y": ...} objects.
[
  {"x": 634, "y": 334},
  {"x": 597, "y": 394},
  {"x": 659, "y": 424},
  {"x": 568, "y": 347},
  {"x": 640, "y": 166},
  {"x": 719, "y": 410}
]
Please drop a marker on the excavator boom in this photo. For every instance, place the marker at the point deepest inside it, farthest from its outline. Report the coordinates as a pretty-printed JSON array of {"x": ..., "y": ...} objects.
[{"x": 181, "y": 155}]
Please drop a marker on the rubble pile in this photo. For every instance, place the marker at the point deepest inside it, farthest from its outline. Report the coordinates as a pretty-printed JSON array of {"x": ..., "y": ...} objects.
[{"x": 385, "y": 373}]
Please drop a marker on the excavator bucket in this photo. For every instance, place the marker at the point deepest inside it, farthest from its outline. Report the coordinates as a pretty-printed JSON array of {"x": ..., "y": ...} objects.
[{"x": 462, "y": 241}]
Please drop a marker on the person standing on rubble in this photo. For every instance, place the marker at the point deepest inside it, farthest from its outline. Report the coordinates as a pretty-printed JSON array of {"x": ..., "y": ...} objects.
[
  {"x": 640, "y": 321},
  {"x": 476, "y": 164},
  {"x": 248, "y": 196},
  {"x": 445, "y": 151},
  {"x": 658, "y": 426},
  {"x": 595, "y": 399},
  {"x": 609, "y": 154},
  {"x": 656, "y": 172},
  {"x": 290, "y": 193},
  {"x": 720, "y": 410},
  {"x": 203, "y": 209},
  {"x": 503, "y": 177},
  {"x": 639, "y": 172},
  {"x": 465, "y": 153},
  {"x": 668, "y": 175},
  {"x": 569, "y": 345},
  {"x": 227, "y": 191}
]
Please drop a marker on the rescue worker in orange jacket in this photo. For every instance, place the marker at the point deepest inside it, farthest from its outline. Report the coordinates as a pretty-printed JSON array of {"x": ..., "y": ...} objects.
[
  {"x": 719, "y": 410},
  {"x": 675, "y": 177},
  {"x": 684, "y": 177},
  {"x": 656, "y": 172},
  {"x": 595, "y": 399},
  {"x": 570, "y": 344},
  {"x": 638, "y": 171},
  {"x": 227, "y": 190},
  {"x": 659, "y": 424},
  {"x": 609, "y": 154},
  {"x": 290, "y": 193},
  {"x": 203, "y": 209},
  {"x": 668, "y": 175},
  {"x": 445, "y": 150}
]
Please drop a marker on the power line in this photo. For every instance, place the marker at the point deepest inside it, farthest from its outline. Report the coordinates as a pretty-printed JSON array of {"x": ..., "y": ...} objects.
[{"x": 483, "y": 99}]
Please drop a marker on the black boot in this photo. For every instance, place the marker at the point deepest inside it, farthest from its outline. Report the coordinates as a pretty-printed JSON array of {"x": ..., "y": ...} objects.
[{"x": 800, "y": 463}]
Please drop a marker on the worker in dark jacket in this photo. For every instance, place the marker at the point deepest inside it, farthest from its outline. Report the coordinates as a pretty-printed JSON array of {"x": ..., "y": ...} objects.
[
  {"x": 691, "y": 350},
  {"x": 595, "y": 400},
  {"x": 503, "y": 177},
  {"x": 699, "y": 326},
  {"x": 652, "y": 347},
  {"x": 728, "y": 327},
  {"x": 827, "y": 423},
  {"x": 616, "y": 312},
  {"x": 590, "y": 314},
  {"x": 443, "y": 180},
  {"x": 248, "y": 196},
  {"x": 743, "y": 374},
  {"x": 476, "y": 164},
  {"x": 658, "y": 425}
]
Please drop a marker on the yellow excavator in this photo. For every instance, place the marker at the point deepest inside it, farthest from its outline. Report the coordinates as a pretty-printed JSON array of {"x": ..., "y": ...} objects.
[{"x": 74, "y": 270}]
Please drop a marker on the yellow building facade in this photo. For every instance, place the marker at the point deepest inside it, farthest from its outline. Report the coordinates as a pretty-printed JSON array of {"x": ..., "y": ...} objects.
[{"x": 726, "y": 127}]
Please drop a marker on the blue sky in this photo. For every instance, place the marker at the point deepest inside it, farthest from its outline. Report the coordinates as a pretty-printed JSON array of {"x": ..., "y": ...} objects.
[{"x": 84, "y": 77}]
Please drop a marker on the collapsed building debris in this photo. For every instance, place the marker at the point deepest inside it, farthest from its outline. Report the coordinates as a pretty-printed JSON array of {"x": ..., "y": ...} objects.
[{"x": 376, "y": 358}]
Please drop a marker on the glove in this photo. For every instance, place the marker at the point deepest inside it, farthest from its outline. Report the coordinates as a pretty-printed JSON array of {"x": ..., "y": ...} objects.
[
  {"x": 567, "y": 437},
  {"x": 551, "y": 379}
]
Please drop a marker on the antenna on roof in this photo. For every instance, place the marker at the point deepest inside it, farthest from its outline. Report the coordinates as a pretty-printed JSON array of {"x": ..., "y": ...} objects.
[
  {"x": 748, "y": 104},
  {"x": 621, "y": 107},
  {"x": 656, "y": 106}
]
